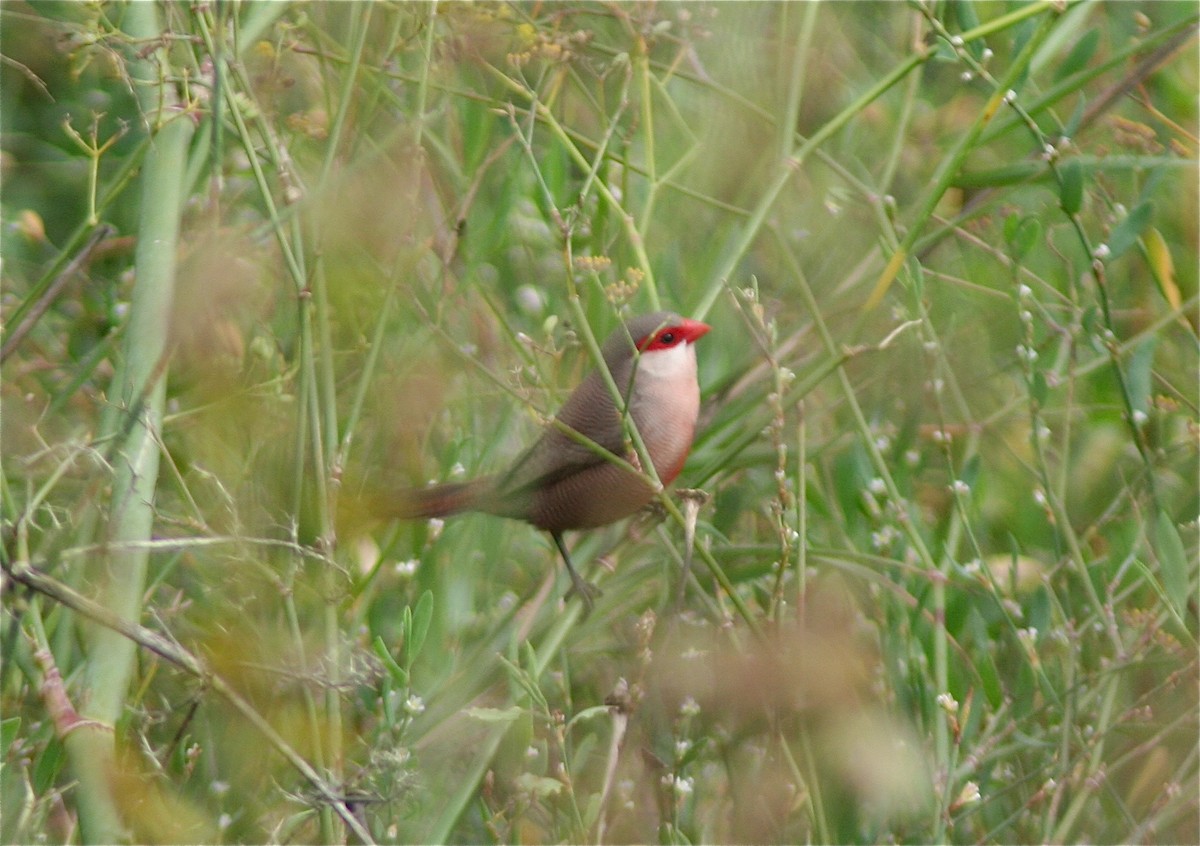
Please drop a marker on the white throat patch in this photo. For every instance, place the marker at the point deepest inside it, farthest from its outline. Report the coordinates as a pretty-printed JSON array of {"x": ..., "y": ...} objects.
[{"x": 668, "y": 363}]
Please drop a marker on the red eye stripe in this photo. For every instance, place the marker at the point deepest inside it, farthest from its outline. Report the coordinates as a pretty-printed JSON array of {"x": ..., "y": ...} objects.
[{"x": 684, "y": 332}]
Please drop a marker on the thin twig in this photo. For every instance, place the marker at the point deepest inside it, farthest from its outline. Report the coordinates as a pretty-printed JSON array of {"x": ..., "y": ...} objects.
[{"x": 51, "y": 293}]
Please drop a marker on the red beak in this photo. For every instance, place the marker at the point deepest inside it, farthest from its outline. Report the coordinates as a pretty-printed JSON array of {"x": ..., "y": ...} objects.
[{"x": 693, "y": 329}]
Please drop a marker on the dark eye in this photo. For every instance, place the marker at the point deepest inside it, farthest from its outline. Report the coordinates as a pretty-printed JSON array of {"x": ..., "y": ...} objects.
[{"x": 667, "y": 338}]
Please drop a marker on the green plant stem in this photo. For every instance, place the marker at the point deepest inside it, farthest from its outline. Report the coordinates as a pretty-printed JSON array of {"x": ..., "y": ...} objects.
[
  {"x": 910, "y": 524},
  {"x": 786, "y": 168},
  {"x": 636, "y": 243},
  {"x": 139, "y": 388},
  {"x": 952, "y": 162}
]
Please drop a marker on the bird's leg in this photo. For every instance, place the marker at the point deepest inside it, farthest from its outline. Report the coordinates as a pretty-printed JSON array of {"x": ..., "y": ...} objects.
[{"x": 586, "y": 590}]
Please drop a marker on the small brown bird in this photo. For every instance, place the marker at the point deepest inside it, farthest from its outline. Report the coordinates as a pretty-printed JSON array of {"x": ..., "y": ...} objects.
[{"x": 563, "y": 481}]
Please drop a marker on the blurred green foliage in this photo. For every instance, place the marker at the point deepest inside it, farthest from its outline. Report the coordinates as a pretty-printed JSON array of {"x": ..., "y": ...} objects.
[{"x": 964, "y": 520}]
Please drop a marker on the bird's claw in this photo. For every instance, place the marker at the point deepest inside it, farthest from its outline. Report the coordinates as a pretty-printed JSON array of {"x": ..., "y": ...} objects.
[{"x": 587, "y": 592}]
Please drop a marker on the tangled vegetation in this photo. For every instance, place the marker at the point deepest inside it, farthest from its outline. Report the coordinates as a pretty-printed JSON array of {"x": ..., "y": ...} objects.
[{"x": 937, "y": 579}]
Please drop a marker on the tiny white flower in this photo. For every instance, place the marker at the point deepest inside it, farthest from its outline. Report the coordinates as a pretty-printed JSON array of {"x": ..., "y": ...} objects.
[
  {"x": 883, "y": 538},
  {"x": 407, "y": 568},
  {"x": 969, "y": 794}
]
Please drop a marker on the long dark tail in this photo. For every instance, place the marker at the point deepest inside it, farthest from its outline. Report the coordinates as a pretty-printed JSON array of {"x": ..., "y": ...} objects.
[
  {"x": 365, "y": 509},
  {"x": 438, "y": 500}
]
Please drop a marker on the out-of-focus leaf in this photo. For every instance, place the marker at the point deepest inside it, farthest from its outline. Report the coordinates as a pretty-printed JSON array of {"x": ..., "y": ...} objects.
[
  {"x": 985, "y": 664},
  {"x": 1080, "y": 54},
  {"x": 1126, "y": 233},
  {"x": 1172, "y": 562},
  {"x": 48, "y": 766},
  {"x": 968, "y": 20},
  {"x": 1025, "y": 235},
  {"x": 970, "y": 471},
  {"x": 420, "y": 625},
  {"x": 1010, "y": 226},
  {"x": 1139, "y": 376},
  {"x": 8, "y": 732},
  {"x": 1076, "y": 118},
  {"x": 495, "y": 715},
  {"x": 1038, "y": 388},
  {"x": 538, "y": 786},
  {"x": 1071, "y": 192},
  {"x": 1158, "y": 256},
  {"x": 398, "y": 673}
]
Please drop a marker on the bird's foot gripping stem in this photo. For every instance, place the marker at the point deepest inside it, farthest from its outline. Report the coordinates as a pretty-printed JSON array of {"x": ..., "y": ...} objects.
[{"x": 587, "y": 591}]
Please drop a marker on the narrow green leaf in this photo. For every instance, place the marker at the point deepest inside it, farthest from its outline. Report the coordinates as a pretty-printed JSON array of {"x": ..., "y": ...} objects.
[
  {"x": 970, "y": 471},
  {"x": 592, "y": 811},
  {"x": 48, "y": 765},
  {"x": 8, "y": 732},
  {"x": 1172, "y": 563},
  {"x": 1038, "y": 388},
  {"x": 1010, "y": 227},
  {"x": 1027, "y": 234},
  {"x": 968, "y": 20},
  {"x": 965, "y": 12},
  {"x": 398, "y": 673},
  {"x": 1139, "y": 374},
  {"x": 589, "y": 713},
  {"x": 495, "y": 715},
  {"x": 1071, "y": 191},
  {"x": 984, "y": 662},
  {"x": 1039, "y": 613},
  {"x": 1126, "y": 233},
  {"x": 1076, "y": 117},
  {"x": 1162, "y": 266},
  {"x": 1080, "y": 54},
  {"x": 420, "y": 623}
]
